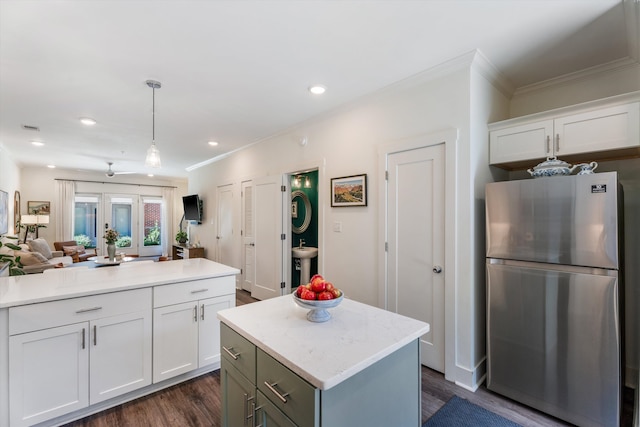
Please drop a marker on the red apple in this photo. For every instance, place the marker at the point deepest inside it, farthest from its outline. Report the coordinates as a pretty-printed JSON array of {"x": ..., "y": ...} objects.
[
  {"x": 308, "y": 295},
  {"x": 336, "y": 292},
  {"x": 318, "y": 285},
  {"x": 316, "y": 276},
  {"x": 326, "y": 295},
  {"x": 299, "y": 291},
  {"x": 329, "y": 286}
]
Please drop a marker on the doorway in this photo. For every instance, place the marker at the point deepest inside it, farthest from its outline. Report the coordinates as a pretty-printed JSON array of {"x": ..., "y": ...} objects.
[{"x": 304, "y": 220}]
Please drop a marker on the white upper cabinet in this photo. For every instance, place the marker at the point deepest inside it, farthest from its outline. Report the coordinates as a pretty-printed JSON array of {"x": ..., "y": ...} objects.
[{"x": 580, "y": 133}]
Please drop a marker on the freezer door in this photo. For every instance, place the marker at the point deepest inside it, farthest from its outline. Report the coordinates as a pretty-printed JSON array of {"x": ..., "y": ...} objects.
[
  {"x": 570, "y": 220},
  {"x": 553, "y": 342}
]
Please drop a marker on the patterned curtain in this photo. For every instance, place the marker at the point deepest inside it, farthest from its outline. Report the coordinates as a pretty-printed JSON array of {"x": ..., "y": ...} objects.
[{"x": 65, "y": 197}]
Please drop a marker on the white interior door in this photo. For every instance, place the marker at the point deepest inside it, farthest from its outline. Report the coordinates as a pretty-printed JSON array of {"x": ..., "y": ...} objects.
[
  {"x": 268, "y": 241},
  {"x": 415, "y": 224},
  {"x": 224, "y": 236},
  {"x": 248, "y": 230}
]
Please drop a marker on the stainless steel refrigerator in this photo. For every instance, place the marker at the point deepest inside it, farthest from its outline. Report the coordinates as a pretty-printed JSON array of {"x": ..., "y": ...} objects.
[{"x": 554, "y": 338}]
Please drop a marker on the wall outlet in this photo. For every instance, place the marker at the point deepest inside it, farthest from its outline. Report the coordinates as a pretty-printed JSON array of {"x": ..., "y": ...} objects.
[{"x": 337, "y": 227}]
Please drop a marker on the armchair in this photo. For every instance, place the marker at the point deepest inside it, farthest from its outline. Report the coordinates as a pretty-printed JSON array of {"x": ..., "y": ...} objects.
[{"x": 78, "y": 252}]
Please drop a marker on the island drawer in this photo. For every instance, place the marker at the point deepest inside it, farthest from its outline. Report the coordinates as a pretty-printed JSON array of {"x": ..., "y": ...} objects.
[
  {"x": 194, "y": 290},
  {"x": 238, "y": 351},
  {"x": 295, "y": 397},
  {"x": 46, "y": 315}
]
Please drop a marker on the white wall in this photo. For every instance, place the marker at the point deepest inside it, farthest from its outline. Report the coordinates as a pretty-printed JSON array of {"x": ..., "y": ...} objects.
[
  {"x": 346, "y": 142},
  {"x": 9, "y": 181},
  {"x": 606, "y": 81}
]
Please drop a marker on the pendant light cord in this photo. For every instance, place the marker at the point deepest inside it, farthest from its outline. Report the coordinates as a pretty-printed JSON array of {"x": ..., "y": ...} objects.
[{"x": 153, "y": 116}]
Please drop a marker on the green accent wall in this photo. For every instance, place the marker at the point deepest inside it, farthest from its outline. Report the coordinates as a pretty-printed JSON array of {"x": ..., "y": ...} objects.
[{"x": 310, "y": 235}]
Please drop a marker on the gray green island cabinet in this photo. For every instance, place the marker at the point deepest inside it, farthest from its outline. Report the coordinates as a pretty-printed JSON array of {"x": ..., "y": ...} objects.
[{"x": 361, "y": 367}]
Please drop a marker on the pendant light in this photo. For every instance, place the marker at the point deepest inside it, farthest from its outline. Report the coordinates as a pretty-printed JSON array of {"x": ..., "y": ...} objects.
[{"x": 153, "y": 154}]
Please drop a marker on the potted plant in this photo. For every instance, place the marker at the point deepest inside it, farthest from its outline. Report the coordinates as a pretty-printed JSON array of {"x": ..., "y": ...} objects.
[
  {"x": 181, "y": 237},
  {"x": 15, "y": 266},
  {"x": 110, "y": 237}
]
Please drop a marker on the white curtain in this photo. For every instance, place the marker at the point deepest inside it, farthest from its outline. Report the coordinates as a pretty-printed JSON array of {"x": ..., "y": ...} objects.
[
  {"x": 168, "y": 195},
  {"x": 65, "y": 197}
]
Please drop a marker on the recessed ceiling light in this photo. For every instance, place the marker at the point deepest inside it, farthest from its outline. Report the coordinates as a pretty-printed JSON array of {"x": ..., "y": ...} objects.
[
  {"x": 317, "y": 89},
  {"x": 87, "y": 121},
  {"x": 37, "y": 143},
  {"x": 150, "y": 175},
  {"x": 213, "y": 143},
  {"x": 51, "y": 166}
]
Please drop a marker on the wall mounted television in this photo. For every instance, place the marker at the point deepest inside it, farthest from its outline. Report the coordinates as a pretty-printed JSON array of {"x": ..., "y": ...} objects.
[{"x": 192, "y": 208}]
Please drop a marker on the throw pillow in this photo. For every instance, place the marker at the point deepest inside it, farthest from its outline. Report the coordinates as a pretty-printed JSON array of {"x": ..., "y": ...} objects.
[
  {"x": 30, "y": 258},
  {"x": 40, "y": 245},
  {"x": 71, "y": 250}
]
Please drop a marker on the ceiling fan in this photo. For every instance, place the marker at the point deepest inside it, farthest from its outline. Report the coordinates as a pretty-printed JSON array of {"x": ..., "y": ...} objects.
[{"x": 110, "y": 173}]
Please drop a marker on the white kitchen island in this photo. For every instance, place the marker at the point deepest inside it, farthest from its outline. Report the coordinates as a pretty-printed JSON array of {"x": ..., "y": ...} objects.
[
  {"x": 77, "y": 341},
  {"x": 362, "y": 367}
]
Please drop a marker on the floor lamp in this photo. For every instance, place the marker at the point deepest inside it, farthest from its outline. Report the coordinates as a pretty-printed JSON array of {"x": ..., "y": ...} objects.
[{"x": 31, "y": 221}]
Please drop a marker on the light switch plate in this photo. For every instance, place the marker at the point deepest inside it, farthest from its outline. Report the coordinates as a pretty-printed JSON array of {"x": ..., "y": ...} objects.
[{"x": 337, "y": 227}]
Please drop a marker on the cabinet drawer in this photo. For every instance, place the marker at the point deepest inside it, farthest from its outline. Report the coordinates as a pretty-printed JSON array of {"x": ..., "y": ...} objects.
[
  {"x": 45, "y": 315},
  {"x": 298, "y": 399},
  {"x": 234, "y": 344},
  {"x": 194, "y": 290}
]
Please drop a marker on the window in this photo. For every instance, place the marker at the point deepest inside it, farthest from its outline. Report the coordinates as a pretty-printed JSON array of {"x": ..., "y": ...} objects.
[{"x": 86, "y": 220}]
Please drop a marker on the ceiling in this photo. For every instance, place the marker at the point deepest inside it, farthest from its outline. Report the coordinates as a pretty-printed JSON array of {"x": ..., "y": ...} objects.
[{"x": 238, "y": 72}]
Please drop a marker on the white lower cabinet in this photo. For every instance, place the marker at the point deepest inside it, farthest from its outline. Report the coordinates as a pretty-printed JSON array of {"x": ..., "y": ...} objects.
[
  {"x": 56, "y": 369},
  {"x": 49, "y": 373},
  {"x": 186, "y": 336}
]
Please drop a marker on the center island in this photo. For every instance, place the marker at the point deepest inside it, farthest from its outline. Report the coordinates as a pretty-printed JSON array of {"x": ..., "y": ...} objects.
[{"x": 361, "y": 367}]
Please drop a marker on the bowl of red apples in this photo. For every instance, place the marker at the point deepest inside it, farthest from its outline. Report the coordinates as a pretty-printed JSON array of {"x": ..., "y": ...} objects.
[{"x": 318, "y": 295}]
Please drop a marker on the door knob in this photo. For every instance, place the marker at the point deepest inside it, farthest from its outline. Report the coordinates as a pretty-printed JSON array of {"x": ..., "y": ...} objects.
[{"x": 437, "y": 269}]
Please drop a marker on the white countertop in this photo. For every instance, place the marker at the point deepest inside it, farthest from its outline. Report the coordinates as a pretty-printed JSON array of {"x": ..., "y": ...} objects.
[
  {"x": 71, "y": 282},
  {"x": 324, "y": 354}
]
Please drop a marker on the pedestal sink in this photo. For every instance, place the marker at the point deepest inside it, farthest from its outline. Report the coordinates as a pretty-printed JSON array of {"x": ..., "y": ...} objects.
[{"x": 305, "y": 253}]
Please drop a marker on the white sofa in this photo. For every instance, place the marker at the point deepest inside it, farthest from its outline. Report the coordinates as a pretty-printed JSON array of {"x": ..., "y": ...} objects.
[{"x": 37, "y": 256}]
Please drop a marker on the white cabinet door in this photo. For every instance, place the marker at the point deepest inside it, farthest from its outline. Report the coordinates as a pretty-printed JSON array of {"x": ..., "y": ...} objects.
[
  {"x": 49, "y": 373},
  {"x": 607, "y": 132},
  {"x": 209, "y": 328},
  {"x": 610, "y": 128},
  {"x": 120, "y": 355},
  {"x": 519, "y": 143},
  {"x": 175, "y": 340}
]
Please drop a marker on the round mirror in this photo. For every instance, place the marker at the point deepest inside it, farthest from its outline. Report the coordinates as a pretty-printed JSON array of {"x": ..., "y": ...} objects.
[{"x": 301, "y": 215}]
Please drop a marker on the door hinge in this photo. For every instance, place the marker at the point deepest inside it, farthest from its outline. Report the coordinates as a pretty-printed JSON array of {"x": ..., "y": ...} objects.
[
  {"x": 281, "y": 285},
  {"x": 283, "y": 237},
  {"x": 386, "y": 175},
  {"x": 241, "y": 270},
  {"x": 283, "y": 188},
  {"x": 386, "y": 246}
]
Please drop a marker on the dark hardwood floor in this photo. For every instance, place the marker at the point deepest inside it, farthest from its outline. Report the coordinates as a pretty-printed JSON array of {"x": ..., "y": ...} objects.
[{"x": 196, "y": 403}]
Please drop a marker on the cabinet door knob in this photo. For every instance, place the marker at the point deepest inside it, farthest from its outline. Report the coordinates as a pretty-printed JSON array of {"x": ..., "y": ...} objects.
[{"x": 437, "y": 269}]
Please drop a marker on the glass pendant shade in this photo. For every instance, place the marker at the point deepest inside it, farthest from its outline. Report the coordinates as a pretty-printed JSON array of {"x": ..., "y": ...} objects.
[
  {"x": 153, "y": 157},
  {"x": 153, "y": 154}
]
